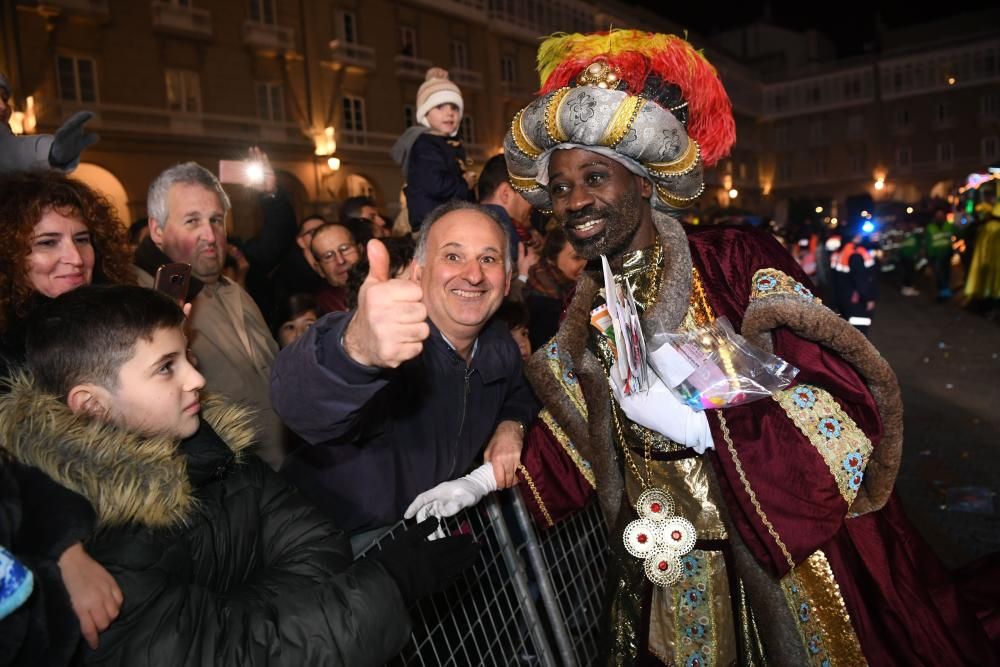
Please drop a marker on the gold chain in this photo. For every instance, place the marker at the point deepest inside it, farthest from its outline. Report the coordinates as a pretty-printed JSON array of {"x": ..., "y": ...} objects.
[
  {"x": 702, "y": 311},
  {"x": 753, "y": 496},
  {"x": 538, "y": 496},
  {"x": 647, "y": 452}
]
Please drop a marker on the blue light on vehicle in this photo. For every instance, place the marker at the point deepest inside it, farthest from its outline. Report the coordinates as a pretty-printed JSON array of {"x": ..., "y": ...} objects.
[{"x": 868, "y": 227}]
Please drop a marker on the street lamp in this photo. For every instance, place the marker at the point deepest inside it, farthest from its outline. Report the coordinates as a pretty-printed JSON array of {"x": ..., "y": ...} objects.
[{"x": 733, "y": 193}]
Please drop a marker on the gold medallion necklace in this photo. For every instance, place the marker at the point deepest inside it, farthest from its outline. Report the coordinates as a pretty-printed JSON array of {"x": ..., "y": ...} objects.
[{"x": 659, "y": 537}]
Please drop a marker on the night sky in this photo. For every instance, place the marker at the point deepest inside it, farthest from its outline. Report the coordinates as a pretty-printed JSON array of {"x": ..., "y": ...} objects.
[{"x": 850, "y": 23}]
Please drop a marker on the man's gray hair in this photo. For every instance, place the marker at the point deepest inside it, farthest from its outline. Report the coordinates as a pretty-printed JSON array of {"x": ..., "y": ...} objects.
[
  {"x": 189, "y": 173},
  {"x": 420, "y": 253}
]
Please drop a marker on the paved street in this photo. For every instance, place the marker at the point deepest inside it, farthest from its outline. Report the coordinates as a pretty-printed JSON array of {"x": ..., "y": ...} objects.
[{"x": 948, "y": 364}]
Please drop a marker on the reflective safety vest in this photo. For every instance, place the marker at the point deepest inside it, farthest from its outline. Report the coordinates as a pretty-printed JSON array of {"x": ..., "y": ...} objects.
[{"x": 841, "y": 261}]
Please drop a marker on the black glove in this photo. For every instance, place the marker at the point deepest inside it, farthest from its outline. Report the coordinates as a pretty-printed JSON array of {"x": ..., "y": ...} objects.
[
  {"x": 70, "y": 140},
  {"x": 420, "y": 567}
]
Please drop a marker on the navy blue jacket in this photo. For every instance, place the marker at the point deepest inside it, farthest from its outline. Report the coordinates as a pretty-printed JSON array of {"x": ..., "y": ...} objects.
[
  {"x": 380, "y": 437},
  {"x": 434, "y": 175}
]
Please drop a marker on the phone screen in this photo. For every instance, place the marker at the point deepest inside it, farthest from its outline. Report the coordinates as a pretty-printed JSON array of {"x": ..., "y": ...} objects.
[
  {"x": 232, "y": 171},
  {"x": 173, "y": 280}
]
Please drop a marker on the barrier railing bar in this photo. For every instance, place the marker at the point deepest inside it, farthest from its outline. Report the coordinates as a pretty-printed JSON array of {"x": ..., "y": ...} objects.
[
  {"x": 557, "y": 622},
  {"x": 516, "y": 568}
]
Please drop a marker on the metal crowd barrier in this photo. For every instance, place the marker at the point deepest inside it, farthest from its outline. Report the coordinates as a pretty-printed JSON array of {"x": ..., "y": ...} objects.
[{"x": 531, "y": 590}]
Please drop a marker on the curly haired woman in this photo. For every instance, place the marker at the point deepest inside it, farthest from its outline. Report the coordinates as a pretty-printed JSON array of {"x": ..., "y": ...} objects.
[{"x": 55, "y": 235}]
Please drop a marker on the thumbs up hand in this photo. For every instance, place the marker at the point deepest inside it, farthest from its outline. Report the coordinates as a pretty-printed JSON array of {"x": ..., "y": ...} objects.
[{"x": 389, "y": 325}]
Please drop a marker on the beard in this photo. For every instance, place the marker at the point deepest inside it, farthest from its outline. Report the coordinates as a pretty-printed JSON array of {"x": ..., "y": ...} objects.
[{"x": 621, "y": 220}]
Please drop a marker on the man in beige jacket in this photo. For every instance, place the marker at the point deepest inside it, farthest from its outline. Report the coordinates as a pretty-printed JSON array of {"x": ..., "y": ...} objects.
[{"x": 187, "y": 210}]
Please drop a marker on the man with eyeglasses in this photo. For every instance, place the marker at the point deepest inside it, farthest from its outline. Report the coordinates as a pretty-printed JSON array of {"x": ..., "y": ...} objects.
[{"x": 334, "y": 251}]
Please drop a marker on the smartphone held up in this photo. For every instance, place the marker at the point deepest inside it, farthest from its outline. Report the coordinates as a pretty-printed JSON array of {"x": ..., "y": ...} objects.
[
  {"x": 241, "y": 172},
  {"x": 174, "y": 280}
]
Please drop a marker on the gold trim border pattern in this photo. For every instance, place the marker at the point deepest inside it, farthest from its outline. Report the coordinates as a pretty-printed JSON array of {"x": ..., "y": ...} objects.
[
  {"x": 774, "y": 282},
  {"x": 842, "y": 444},
  {"x": 574, "y": 454},
  {"x": 552, "y": 125},
  {"x": 824, "y": 624},
  {"x": 621, "y": 121},
  {"x": 522, "y": 184},
  {"x": 521, "y": 140},
  {"x": 682, "y": 165},
  {"x": 676, "y": 201}
]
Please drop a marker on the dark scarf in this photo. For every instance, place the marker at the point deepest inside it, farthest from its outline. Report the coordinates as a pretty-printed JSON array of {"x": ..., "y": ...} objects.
[{"x": 149, "y": 258}]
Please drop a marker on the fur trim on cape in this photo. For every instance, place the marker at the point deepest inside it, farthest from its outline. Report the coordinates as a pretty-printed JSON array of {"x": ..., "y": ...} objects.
[
  {"x": 819, "y": 324},
  {"x": 126, "y": 477},
  {"x": 591, "y": 432}
]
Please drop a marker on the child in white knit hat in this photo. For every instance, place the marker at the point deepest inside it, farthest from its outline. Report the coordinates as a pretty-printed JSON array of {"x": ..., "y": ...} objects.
[{"x": 431, "y": 154}]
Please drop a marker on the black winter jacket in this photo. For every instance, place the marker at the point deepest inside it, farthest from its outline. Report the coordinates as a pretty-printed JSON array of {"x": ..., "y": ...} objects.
[
  {"x": 39, "y": 520},
  {"x": 220, "y": 561}
]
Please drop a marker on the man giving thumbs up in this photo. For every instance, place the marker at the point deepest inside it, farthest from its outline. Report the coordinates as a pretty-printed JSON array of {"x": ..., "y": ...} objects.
[{"x": 415, "y": 386}]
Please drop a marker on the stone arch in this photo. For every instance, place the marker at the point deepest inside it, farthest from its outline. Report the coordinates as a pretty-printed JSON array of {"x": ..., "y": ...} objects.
[
  {"x": 359, "y": 185},
  {"x": 107, "y": 184}
]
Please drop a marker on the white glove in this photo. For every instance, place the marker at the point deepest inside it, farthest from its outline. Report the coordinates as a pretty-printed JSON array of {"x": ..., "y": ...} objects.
[
  {"x": 449, "y": 498},
  {"x": 659, "y": 410}
]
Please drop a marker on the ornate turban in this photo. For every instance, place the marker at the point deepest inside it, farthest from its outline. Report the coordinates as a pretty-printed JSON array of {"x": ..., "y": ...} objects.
[{"x": 649, "y": 101}]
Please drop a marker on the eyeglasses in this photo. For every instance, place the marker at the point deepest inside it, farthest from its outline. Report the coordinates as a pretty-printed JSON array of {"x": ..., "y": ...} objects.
[{"x": 345, "y": 252}]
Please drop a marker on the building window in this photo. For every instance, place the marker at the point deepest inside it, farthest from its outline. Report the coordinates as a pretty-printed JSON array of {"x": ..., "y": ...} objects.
[
  {"x": 347, "y": 27},
  {"x": 855, "y": 125},
  {"x": 262, "y": 11},
  {"x": 409, "y": 115},
  {"x": 989, "y": 148},
  {"x": 742, "y": 171},
  {"x": 989, "y": 105},
  {"x": 817, "y": 132},
  {"x": 468, "y": 130},
  {"x": 508, "y": 73},
  {"x": 902, "y": 117},
  {"x": 784, "y": 170},
  {"x": 819, "y": 166},
  {"x": 781, "y": 136},
  {"x": 77, "y": 79},
  {"x": 408, "y": 41},
  {"x": 942, "y": 113},
  {"x": 270, "y": 101},
  {"x": 852, "y": 88},
  {"x": 354, "y": 113},
  {"x": 857, "y": 162},
  {"x": 183, "y": 90},
  {"x": 903, "y": 156},
  {"x": 459, "y": 55},
  {"x": 945, "y": 151}
]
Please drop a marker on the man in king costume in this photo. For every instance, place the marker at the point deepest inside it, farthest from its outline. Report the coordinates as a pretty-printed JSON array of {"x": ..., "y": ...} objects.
[{"x": 784, "y": 542}]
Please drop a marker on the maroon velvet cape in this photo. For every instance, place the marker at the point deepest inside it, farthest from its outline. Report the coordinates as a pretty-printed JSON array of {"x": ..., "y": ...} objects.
[{"x": 903, "y": 604}]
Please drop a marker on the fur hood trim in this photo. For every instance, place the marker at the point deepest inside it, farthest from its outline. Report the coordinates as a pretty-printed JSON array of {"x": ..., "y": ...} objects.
[
  {"x": 126, "y": 477},
  {"x": 815, "y": 322}
]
